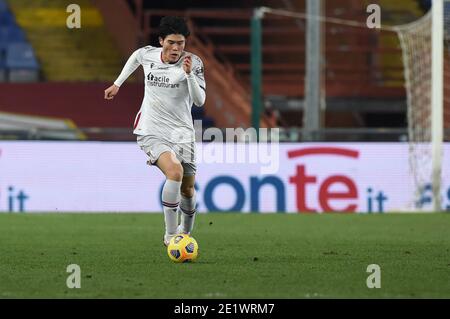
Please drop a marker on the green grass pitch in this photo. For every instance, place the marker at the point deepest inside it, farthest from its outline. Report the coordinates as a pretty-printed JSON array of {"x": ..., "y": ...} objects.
[{"x": 240, "y": 256}]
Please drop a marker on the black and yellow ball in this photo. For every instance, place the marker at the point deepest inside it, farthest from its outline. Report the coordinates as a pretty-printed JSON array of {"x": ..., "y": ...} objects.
[{"x": 182, "y": 248}]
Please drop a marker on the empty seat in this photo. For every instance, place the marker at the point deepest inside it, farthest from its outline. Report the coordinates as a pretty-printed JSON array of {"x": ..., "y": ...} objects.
[
  {"x": 2, "y": 70},
  {"x": 12, "y": 34},
  {"x": 8, "y": 35},
  {"x": 21, "y": 63},
  {"x": 7, "y": 18},
  {"x": 21, "y": 55},
  {"x": 3, "y": 6}
]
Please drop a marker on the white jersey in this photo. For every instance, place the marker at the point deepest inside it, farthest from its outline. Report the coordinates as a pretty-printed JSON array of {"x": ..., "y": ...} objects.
[{"x": 165, "y": 112}]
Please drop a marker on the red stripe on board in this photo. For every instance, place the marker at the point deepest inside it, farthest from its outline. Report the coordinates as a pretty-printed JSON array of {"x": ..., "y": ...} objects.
[{"x": 323, "y": 151}]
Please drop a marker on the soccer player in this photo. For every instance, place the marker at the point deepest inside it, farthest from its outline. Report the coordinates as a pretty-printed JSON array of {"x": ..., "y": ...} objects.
[{"x": 174, "y": 80}]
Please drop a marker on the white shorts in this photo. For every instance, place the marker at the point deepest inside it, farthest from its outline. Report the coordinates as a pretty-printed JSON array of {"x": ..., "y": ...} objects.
[{"x": 184, "y": 152}]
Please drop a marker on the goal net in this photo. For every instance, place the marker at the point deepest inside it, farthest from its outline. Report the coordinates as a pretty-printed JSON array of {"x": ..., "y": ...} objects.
[
  {"x": 428, "y": 96},
  {"x": 428, "y": 113}
]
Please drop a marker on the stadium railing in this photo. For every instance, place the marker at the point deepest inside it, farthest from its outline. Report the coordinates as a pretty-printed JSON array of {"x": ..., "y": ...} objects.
[{"x": 293, "y": 134}]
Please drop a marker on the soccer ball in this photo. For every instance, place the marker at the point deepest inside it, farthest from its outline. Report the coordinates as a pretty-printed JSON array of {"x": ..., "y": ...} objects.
[{"x": 182, "y": 248}]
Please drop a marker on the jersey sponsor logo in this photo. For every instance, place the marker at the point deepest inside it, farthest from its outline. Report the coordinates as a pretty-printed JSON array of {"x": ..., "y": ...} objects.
[
  {"x": 152, "y": 66},
  {"x": 161, "y": 81},
  {"x": 326, "y": 192}
]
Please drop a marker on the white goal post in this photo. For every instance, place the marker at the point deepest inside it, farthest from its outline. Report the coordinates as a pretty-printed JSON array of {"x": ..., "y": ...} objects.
[
  {"x": 437, "y": 99},
  {"x": 426, "y": 65},
  {"x": 422, "y": 43}
]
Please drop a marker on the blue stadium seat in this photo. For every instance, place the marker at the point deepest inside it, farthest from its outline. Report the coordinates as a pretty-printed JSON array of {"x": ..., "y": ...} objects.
[
  {"x": 14, "y": 34},
  {"x": 8, "y": 35},
  {"x": 17, "y": 60},
  {"x": 11, "y": 34},
  {"x": 7, "y": 18},
  {"x": 21, "y": 63},
  {"x": 21, "y": 56},
  {"x": 3, "y": 6},
  {"x": 2, "y": 70}
]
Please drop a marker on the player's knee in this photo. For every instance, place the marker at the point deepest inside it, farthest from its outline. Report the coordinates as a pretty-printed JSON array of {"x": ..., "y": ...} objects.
[
  {"x": 187, "y": 190},
  {"x": 175, "y": 173}
]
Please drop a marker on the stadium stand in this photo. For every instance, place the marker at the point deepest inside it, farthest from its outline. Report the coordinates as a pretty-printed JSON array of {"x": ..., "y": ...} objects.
[
  {"x": 21, "y": 62},
  {"x": 87, "y": 54},
  {"x": 77, "y": 65},
  {"x": 17, "y": 59},
  {"x": 2, "y": 71},
  {"x": 363, "y": 74}
]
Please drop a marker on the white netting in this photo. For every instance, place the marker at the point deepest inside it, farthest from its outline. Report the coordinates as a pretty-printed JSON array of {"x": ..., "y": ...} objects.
[{"x": 416, "y": 42}]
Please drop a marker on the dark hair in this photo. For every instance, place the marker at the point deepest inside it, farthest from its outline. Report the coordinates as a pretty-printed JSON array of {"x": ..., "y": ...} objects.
[{"x": 173, "y": 25}]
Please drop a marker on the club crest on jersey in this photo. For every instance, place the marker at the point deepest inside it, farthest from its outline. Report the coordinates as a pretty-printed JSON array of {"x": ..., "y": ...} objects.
[{"x": 199, "y": 71}]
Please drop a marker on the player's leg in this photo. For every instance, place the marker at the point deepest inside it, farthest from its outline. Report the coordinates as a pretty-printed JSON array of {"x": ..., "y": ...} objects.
[
  {"x": 187, "y": 205},
  {"x": 186, "y": 210},
  {"x": 172, "y": 169}
]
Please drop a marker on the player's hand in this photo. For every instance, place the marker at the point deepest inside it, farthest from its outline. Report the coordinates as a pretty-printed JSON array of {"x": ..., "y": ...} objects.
[
  {"x": 187, "y": 64},
  {"x": 111, "y": 92}
]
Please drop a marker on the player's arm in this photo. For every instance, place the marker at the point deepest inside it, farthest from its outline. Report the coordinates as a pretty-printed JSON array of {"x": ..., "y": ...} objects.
[
  {"x": 196, "y": 90},
  {"x": 131, "y": 66}
]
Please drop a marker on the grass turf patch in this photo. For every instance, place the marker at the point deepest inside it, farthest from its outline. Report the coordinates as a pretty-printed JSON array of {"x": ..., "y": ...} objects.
[{"x": 240, "y": 256}]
